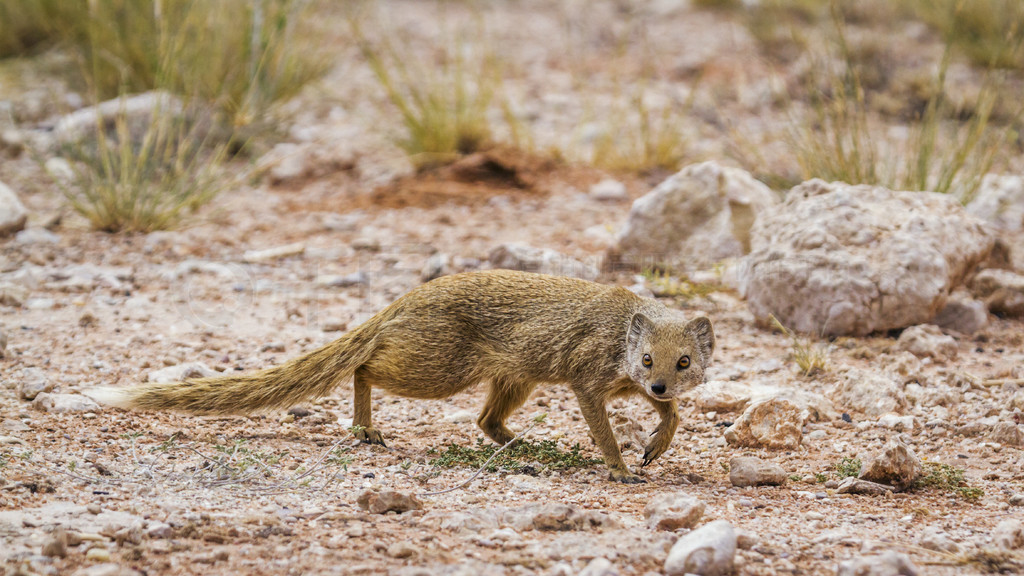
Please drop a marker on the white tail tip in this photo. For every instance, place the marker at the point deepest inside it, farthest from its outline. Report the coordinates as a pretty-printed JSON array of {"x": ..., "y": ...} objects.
[{"x": 107, "y": 396}]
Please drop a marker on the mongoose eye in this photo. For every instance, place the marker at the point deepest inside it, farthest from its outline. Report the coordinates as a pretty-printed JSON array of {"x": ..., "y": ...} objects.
[
  {"x": 684, "y": 362},
  {"x": 647, "y": 360}
]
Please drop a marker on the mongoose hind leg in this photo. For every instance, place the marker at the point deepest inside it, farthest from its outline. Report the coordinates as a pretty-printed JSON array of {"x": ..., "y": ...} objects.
[
  {"x": 666, "y": 430},
  {"x": 361, "y": 419},
  {"x": 596, "y": 415},
  {"x": 503, "y": 397}
]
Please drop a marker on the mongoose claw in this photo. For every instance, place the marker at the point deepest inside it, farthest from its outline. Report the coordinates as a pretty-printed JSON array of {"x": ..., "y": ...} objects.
[{"x": 370, "y": 435}]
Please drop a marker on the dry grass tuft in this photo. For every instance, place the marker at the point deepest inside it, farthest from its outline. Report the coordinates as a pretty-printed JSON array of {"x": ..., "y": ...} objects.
[
  {"x": 840, "y": 143},
  {"x": 443, "y": 104},
  {"x": 810, "y": 358},
  {"x": 124, "y": 182}
]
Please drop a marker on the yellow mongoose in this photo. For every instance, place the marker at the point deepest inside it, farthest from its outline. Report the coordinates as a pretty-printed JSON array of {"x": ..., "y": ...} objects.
[{"x": 513, "y": 330}]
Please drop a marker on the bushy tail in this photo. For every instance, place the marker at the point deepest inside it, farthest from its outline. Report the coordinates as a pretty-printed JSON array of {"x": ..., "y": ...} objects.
[{"x": 309, "y": 376}]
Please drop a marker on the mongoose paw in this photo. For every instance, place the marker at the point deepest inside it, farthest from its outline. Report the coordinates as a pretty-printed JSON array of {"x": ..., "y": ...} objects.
[
  {"x": 370, "y": 435},
  {"x": 626, "y": 477},
  {"x": 653, "y": 451}
]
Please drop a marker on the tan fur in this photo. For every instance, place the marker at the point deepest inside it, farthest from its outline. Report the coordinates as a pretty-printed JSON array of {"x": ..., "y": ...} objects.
[{"x": 513, "y": 330}]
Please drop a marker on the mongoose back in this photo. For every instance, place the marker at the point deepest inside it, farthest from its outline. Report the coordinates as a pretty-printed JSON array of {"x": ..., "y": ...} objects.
[{"x": 512, "y": 330}]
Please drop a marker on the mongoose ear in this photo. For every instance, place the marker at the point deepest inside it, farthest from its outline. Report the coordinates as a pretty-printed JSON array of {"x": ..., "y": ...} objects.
[
  {"x": 704, "y": 335},
  {"x": 639, "y": 326}
]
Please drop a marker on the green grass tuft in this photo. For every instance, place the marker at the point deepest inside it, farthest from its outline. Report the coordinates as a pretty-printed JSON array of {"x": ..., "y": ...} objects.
[
  {"x": 946, "y": 477},
  {"x": 525, "y": 456}
]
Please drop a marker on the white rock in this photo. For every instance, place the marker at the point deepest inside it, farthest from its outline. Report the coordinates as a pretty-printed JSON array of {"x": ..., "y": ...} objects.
[
  {"x": 752, "y": 471},
  {"x": 962, "y": 314},
  {"x": 180, "y": 372},
  {"x": 694, "y": 219},
  {"x": 871, "y": 393},
  {"x": 888, "y": 563},
  {"x": 275, "y": 253},
  {"x": 1000, "y": 201},
  {"x": 33, "y": 382},
  {"x": 730, "y": 396},
  {"x": 62, "y": 403},
  {"x": 460, "y": 417},
  {"x": 599, "y": 567},
  {"x": 36, "y": 235},
  {"x": 12, "y": 212},
  {"x": 1002, "y": 290},
  {"x": 542, "y": 260},
  {"x": 774, "y": 423},
  {"x": 897, "y": 422},
  {"x": 896, "y": 465},
  {"x": 709, "y": 551},
  {"x": 1007, "y": 434},
  {"x": 1009, "y": 534},
  {"x": 926, "y": 340},
  {"x": 609, "y": 190},
  {"x": 934, "y": 538},
  {"x": 850, "y": 260},
  {"x": 673, "y": 511}
]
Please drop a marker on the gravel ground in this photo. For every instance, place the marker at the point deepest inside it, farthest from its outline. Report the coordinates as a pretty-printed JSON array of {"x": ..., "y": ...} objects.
[{"x": 277, "y": 493}]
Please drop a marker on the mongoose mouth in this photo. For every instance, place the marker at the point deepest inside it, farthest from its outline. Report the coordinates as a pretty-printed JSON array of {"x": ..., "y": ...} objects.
[{"x": 660, "y": 396}]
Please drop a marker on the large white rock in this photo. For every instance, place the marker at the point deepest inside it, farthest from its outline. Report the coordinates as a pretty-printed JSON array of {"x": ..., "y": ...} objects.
[
  {"x": 695, "y": 218},
  {"x": 1000, "y": 201},
  {"x": 12, "y": 211},
  {"x": 850, "y": 260},
  {"x": 709, "y": 551},
  {"x": 773, "y": 423},
  {"x": 873, "y": 393}
]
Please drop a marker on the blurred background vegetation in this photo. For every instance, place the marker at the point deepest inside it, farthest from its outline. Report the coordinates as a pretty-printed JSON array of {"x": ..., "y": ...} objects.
[{"x": 230, "y": 63}]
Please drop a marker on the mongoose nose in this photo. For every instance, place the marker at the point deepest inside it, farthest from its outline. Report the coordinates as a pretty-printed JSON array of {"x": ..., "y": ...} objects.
[{"x": 658, "y": 388}]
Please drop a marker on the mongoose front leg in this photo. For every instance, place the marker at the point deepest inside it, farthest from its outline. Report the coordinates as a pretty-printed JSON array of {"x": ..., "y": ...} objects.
[
  {"x": 596, "y": 415},
  {"x": 666, "y": 430},
  {"x": 364, "y": 429}
]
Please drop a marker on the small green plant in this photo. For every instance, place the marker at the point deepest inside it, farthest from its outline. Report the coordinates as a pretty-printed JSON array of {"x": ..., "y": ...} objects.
[
  {"x": 443, "y": 104},
  {"x": 810, "y": 358},
  {"x": 946, "y": 477},
  {"x": 339, "y": 457},
  {"x": 72, "y": 466},
  {"x": 848, "y": 467},
  {"x": 123, "y": 182},
  {"x": 237, "y": 460},
  {"x": 522, "y": 457},
  {"x": 820, "y": 478}
]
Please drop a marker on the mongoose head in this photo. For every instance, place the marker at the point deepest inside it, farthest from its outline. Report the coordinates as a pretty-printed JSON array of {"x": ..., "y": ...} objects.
[{"x": 667, "y": 356}]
